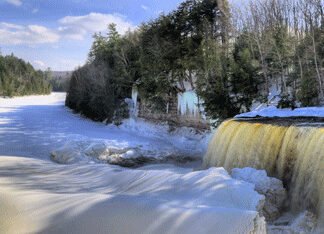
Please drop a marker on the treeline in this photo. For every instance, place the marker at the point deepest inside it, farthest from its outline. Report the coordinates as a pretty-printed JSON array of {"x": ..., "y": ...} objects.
[
  {"x": 19, "y": 78},
  {"x": 231, "y": 56}
]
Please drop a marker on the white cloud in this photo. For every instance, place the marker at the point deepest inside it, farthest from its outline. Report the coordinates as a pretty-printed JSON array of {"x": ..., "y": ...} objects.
[
  {"x": 77, "y": 27},
  {"x": 10, "y": 26},
  {"x": 35, "y": 10},
  {"x": 69, "y": 27},
  {"x": 59, "y": 64},
  {"x": 12, "y": 34},
  {"x": 145, "y": 8},
  {"x": 39, "y": 64},
  {"x": 15, "y": 2}
]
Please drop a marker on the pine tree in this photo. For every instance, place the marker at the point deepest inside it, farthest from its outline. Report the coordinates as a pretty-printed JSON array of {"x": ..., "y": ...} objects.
[{"x": 245, "y": 69}]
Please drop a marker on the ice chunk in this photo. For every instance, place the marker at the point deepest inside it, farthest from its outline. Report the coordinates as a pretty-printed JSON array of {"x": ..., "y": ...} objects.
[
  {"x": 68, "y": 154},
  {"x": 272, "y": 188}
]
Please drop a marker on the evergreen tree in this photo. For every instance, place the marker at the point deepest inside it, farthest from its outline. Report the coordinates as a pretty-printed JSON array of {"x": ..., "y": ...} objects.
[{"x": 244, "y": 80}]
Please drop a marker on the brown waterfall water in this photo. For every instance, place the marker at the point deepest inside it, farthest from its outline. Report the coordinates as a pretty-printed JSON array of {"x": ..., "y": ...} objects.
[{"x": 290, "y": 151}]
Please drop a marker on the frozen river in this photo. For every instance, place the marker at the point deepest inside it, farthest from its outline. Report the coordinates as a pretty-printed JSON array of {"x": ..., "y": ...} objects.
[{"x": 38, "y": 195}]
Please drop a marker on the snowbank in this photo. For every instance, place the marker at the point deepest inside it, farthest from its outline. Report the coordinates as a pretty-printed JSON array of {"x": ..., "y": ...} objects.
[
  {"x": 272, "y": 188},
  {"x": 275, "y": 195},
  {"x": 97, "y": 198},
  {"x": 272, "y": 111}
]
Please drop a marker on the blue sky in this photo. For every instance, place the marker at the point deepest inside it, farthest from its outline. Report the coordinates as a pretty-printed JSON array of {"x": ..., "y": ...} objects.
[{"x": 58, "y": 33}]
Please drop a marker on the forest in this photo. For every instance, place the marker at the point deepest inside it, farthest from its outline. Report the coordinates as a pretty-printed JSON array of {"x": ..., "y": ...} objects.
[
  {"x": 232, "y": 56},
  {"x": 18, "y": 78},
  {"x": 59, "y": 80}
]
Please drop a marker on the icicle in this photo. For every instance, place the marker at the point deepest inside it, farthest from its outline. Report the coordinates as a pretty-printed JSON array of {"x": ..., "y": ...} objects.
[{"x": 188, "y": 104}]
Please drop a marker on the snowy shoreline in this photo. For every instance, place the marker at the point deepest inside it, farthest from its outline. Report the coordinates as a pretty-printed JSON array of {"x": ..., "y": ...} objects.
[{"x": 274, "y": 112}]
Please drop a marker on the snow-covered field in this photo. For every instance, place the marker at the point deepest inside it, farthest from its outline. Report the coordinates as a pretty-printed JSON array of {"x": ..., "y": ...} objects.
[{"x": 84, "y": 195}]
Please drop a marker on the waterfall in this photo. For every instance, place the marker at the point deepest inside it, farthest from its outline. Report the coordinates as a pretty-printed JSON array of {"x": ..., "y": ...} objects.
[{"x": 291, "y": 152}]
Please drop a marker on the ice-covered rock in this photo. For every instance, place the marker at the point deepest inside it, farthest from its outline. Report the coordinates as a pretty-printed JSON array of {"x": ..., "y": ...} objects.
[
  {"x": 128, "y": 157},
  {"x": 85, "y": 151},
  {"x": 68, "y": 154},
  {"x": 272, "y": 188},
  {"x": 132, "y": 153},
  {"x": 101, "y": 152},
  {"x": 98, "y": 150}
]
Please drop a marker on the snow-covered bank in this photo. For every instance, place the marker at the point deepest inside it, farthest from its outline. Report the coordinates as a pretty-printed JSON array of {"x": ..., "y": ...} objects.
[
  {"x": 275, "y": 196},
  {"x": 98, "y": 198},
  {"x": 271, "y": 188},
  {"x": 275, "y": 112}
]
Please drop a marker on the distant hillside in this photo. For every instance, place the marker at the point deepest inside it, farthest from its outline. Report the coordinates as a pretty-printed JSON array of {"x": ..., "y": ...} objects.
[
  {"x": 18, "y": 78},
  {"x": 61, "y": 74},
  {"x": 60, "y": 80}
]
